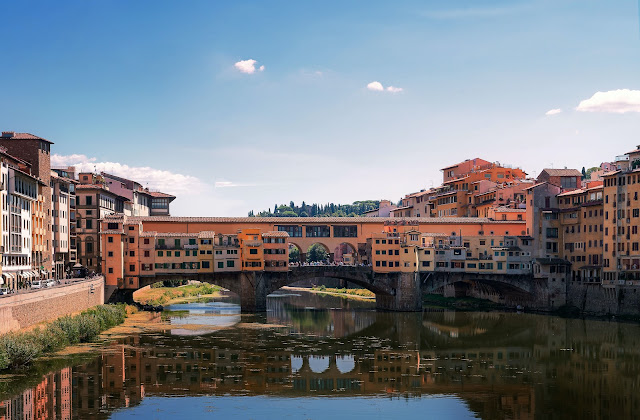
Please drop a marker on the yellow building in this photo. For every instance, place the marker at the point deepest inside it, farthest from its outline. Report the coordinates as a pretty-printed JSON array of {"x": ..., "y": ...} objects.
[{"x": 252, "y": 249}]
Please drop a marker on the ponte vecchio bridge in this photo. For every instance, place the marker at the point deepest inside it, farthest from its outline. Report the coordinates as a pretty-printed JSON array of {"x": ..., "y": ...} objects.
[{"x": 138, "y": 251}]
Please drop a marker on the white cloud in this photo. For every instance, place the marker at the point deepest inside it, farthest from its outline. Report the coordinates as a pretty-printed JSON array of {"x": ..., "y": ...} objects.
[
  {"x": 554, "y": 111},
  {"x": 377, "y": 87},
  {"x": 618, "y": 101},
  {"x": 229, "y": 184},
  {"x": 154, "y": 179},
  {"x": 248, "y": 66}
]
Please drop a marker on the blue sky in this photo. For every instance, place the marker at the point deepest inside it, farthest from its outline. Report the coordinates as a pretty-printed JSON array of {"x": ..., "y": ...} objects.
[{"x": 151, "y": 90}]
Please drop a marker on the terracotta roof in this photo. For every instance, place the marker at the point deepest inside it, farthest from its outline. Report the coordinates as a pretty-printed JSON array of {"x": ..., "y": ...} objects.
[
  {"x": 574, "y": 192},
  {"x": 402, "y": 208},
  {"x": 317, "y": 220},
  {"x": 148, "y": 234},
  {"x": 561, "y": 172},
  {"x": 610, "y": 173},
  {"x": 22, "y": 136},
  {"x": 159, "y": 194},
  {"x": 206, "y": 234},
  {"x": 275, "y": 234}
]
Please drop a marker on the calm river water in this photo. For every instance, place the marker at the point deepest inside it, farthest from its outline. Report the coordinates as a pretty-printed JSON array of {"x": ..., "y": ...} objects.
[{"x": 315, "y": 357}]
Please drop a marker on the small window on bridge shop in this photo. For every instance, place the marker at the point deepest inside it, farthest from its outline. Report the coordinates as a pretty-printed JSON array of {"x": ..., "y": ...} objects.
[
  {"x": 205, "y": 241},
  {"x": 177, "y": 253},
  {"x": 322, "y": 231},
  {"x": 253, "y": 251},
  {"x": 112, "y": 226},
  {"x": 292, "y": 230},
  {"x": 231, "y": 263},
  {"x": 426, "y": 263},
  {"x": 205, "y": 264},
  {"x": 220, "y": 264},
  {"x": 192, "y": 241},
  {"x": 349, "y": 231},
  {"x": 110, "y": 239}
]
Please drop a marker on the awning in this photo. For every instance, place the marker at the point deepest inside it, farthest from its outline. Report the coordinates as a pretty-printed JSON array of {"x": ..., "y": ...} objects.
[
  {"x": 35, "y": 274},
  {"x": 8, "y": 276}
]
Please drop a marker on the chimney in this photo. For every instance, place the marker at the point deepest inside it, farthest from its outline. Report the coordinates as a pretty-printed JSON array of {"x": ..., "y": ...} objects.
[{"x": 8, "y": 134}]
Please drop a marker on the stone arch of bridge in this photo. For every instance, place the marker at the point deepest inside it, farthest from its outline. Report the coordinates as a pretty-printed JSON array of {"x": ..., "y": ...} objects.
[
  {"x": 296, "y": 274},
  {"x": 324, "y": 246}
]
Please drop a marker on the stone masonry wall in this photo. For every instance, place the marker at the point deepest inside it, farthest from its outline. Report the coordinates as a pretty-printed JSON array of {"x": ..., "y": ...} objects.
[
  {"x": 597, "y": 300},
  {"x": 23, "y": 310}
]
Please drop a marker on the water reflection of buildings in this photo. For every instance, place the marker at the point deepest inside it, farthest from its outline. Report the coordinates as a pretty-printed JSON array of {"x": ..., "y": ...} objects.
[
  {"x": 49, "y": 399},
  {"x": 533, "y": 367}
]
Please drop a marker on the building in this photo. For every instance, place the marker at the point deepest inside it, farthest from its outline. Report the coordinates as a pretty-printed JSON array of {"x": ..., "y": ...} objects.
[
  {"x": 63, "y": 208},
  {"x": 37, "y": 152},
  {"x": 20, "y": 192},
  {"x": 385, "y": 207}
]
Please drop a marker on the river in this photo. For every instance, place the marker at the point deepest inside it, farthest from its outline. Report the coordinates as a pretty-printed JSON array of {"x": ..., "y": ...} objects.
[{"x": 314, "y": 356}]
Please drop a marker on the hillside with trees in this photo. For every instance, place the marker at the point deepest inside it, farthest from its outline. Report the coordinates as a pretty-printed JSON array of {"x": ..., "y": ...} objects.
[{"x": 358, "y": 208}]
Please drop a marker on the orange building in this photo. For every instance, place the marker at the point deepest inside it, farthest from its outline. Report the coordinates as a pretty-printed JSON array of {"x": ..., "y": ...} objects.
[{"x": 276, "y": 247}]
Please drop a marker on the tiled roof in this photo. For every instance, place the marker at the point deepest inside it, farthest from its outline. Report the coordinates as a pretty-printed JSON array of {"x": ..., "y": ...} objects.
[
  {"x": 275, "y": 234},
  {"x": 317, "y": 220},
  {"x": 159, "y": 194},
  {"x": 562, "y": 172},
  {"x": 572, "y": 192},
  {"x": 21, "y": 136},
  {"x": 402, "y": 208},
  {"x": 149, "y": 234},
  {"x": 206, "y": 234}
]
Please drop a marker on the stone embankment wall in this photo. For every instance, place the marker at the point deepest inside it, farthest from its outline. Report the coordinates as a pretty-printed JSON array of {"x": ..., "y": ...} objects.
[
  {"x": 597, "y": 300},
  {"x": 26, "y": 309}
]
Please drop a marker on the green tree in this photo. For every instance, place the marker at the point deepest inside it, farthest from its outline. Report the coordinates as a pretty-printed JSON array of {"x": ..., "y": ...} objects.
[
  {"x": 584, "y": 173},
  {"x": 288, "y": 213},
  {"x": 316, "y": 253},
  {"x": 294, "y": 254}
]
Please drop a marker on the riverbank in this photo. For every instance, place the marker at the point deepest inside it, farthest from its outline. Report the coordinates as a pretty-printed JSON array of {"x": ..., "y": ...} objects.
[
  {"x": 21, "y": 348},
  {"x": 173, "y": 295},
  {"x": 358, "y": 294}
]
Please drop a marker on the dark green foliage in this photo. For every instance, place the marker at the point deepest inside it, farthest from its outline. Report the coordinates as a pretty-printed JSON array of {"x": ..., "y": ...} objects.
[
  {"x": 21, "y": 348},
  {"x": 316, "y": 253},
  {"x": 358, "y": 208},
  {"x": 294, "y": 254}
]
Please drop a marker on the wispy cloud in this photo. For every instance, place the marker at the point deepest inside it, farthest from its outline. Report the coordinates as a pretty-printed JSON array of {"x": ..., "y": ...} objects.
[
  {"x": 377, "y": 87},
  {"x": 229, "y": 184},
  {"x": 475, "y": 12},
  {"x": 155, "y": 179},
  {"x": 247, "y": 66},
  {"x": 618, "y": 101},
  {"x": 554, "y": 111}
]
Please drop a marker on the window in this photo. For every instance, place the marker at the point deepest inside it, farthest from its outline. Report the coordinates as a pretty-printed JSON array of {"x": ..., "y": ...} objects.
[
  {"x": 132, "y": 253},
  {"x": 147, "y": 253},
  {"x": 112, "y": 226},
  {"x": 131, "y": 240},
  {"x": 88, "y": 224},
  {"x": 231, "y": 263},
  {"x": 130, "y": 227},
  {"x": 160, "y": 253},
  {"x": 220, "y": 264},
  {"x": 552, "y": 232},
  {"x": 177, "y": 253},
  {"x": 253, "y": 251},
  {"x": 322, "y": 231},
  {"x": 89, "y": 248},
  {"x": 132, "y": 267},
  {"x": 110, "y": 239},
  {"x": 88, "y": 200},
  {"x": 176, "y": 243},
  {"x": 350, "y": 231},
  {"x": 110, "y": 253},
  {"x": 205, "y": 264},
  {"x": 292, "y": 230},
  {"x": 146, "y": 241},
  {"x": 110, "y": 270}
]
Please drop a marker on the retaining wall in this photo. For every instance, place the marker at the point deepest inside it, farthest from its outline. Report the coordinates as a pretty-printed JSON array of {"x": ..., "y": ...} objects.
[{"x": 26, "y": 309}]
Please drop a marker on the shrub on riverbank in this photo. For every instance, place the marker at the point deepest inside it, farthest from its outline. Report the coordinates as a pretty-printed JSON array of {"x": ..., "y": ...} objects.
[
  {"x": 21, "y": 348},
  {"x": 353, "y": 292},
  {"x": 162, "y": 295}
]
